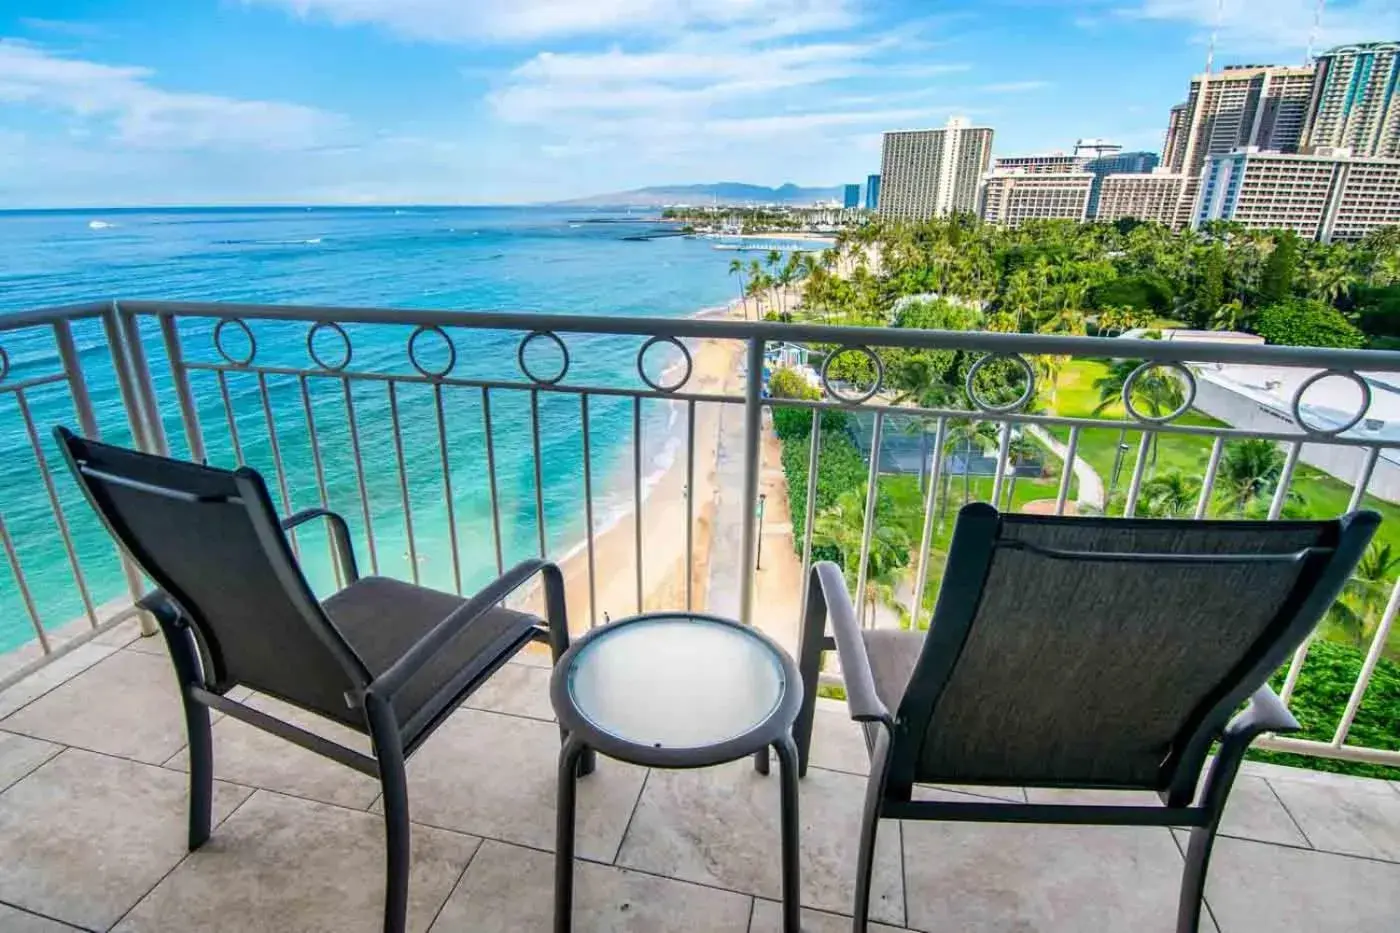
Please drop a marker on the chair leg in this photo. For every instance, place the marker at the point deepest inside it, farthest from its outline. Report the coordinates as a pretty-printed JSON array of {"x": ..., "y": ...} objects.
[
  {"x": 185, "y": 659},
  {"x": 571, "y": 757},
  {"x": 396, "y": 836},
  {"x": 201, "y": 742},
  {"x": 1193, "y": 880},
  {"x": 865, "y": 857},
  {"x": 789, "y": 768}
]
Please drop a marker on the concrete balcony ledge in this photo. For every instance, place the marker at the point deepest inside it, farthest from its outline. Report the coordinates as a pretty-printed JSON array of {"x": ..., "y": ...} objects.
[{"x": 92, "y": 827}]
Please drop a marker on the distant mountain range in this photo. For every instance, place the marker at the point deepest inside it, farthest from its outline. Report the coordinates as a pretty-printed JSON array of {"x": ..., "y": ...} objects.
[{"x": 727, "y": 192}]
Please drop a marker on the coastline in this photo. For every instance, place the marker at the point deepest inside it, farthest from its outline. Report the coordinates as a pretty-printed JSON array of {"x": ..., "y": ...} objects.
[
  {"x": 718, "y": 370},
  {"x": 664, "y": 511}
]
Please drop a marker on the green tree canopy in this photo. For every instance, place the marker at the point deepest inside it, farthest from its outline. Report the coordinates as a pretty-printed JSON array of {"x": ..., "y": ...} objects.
[{"x": 1301, "y": 322}]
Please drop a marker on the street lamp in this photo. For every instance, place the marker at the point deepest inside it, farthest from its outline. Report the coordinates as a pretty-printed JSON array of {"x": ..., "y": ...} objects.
[{"x": 762, "y": 502}]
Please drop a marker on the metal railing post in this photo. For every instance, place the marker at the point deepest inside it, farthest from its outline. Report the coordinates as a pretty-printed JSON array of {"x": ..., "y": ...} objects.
[
  {"x": 189, "y": 414},
  {"x": 144, "y": 384},
  {"x": 87, "y": 424},
  {"x": 753, "y": 452},
  {"x": 140, "y": 435}
]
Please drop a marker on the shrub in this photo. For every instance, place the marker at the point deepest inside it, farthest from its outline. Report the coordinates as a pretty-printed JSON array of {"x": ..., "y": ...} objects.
[
  {"x": 1321, "y": 696},
  {"x": 786, "y": 382},
  {"x": 1306, "y": 323},
  {"x": 840, "y": 469}
]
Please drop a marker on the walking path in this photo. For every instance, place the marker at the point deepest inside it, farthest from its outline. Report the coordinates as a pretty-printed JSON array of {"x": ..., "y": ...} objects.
[{"x": 1091, "y": 494}]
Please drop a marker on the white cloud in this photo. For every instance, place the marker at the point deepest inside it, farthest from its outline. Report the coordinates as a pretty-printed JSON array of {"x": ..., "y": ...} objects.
[
  {"x": 137, "y": 113},
  {"x": 513, "y": 20},
  {"x": 1253, "y": 26}
]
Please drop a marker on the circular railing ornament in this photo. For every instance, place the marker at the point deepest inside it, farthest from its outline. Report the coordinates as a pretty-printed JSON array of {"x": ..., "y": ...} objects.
[
  {"x": 1361, "y": 384},
  {"x": 853, "y": 399},
  {"x": 447, "y": 342},
  {"x": 525, "y": 367},
  {"x": 1014, "y": 404},
  {"x": 247, "y": 332},
  {"x": 4, "y": 364},
  {"x": 1183, "y": 408},
  {"x": 316, "y": 357},
  {"x": 642, "y": 371}
]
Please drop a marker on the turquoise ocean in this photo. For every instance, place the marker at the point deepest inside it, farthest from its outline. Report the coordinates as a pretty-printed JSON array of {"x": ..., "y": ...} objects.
[{"x": 516, "y": 259}]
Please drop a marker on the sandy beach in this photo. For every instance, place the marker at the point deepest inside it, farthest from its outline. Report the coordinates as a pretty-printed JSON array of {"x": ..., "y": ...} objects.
[{"x": 718, "y": 370}]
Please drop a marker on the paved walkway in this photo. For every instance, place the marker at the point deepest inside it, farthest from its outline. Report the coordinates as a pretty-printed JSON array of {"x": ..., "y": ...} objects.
[{"x": 1091, "y": 494}]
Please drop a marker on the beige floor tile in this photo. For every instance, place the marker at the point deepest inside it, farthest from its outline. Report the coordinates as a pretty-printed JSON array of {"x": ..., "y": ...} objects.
[
  {"x": 838, "y": 744},
  {"x": 1258, "y": 888},
  {"x": 508, "y": 889},
  {"x": 986, "y": 876},
  {"x": 1253, "y": 811},
  {"x": 494, "y": 775},
  {"x": 18, "y": 921},
  {"x": 281, "y": 863},
  {"x": 768, "y": 918},
  {"x": 52, "y": 675},
  {"x": 19, "y": 755},
  {"x": 86, "y": 835},
  {"x": 720, "y": 826},
  {"x": 1358, "y": 818},
  {"x": 127, "y": 704},
  {"x": 246, "y": 754},
  {"x": 515, "y": 689}
]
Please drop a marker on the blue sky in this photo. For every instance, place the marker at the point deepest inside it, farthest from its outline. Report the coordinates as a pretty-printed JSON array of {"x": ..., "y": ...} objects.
[{"x": 487, "y": 101}]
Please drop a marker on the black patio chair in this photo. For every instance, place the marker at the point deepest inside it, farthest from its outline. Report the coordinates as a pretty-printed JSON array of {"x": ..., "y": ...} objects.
[
  {"x": 388, "y": 659},
  {"x": 1084, "y": 653}
]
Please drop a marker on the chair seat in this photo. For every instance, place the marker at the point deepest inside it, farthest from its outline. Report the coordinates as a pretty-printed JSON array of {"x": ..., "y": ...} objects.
[
  {"x": 383, "y": 618},
  {"x": 893, "y": 654}
]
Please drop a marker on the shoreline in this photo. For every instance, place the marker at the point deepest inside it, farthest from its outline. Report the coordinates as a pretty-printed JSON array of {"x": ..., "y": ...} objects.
[{"x": 664, "y": 505}]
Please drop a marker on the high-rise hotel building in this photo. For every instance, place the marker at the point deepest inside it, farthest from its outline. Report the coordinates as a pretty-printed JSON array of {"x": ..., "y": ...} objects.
[
  {"x": 929, "y": 173},
  {"x": 1319, "y": 196},
  {"x": 1355, "y": 100},
  {"x": 1013, "y": 197},
  {"x": 1262, "y": 106}
]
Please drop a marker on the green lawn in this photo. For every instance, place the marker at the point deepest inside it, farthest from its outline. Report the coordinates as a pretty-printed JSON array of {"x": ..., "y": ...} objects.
[
  {"x": 1318, "y": 494},
  {"x": 953, "y": 493}
]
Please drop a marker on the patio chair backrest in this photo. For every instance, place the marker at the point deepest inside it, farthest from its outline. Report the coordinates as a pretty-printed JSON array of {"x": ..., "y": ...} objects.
[
  {"x": 1109, "y": 652},
  {"x": 212, "y": 540}
]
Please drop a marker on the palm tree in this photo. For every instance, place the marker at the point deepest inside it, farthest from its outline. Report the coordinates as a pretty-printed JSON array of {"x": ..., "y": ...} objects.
[
  {"x": 774, "y": 261},
  {"x": 1249, "y": 469},
  {"x": 736, "y": 267},
  {"x": 754, "y": 276},
  {"x": 842, "y": 526},
  {"x": 1171, "y": 495},
  {"x": 1157, "y": 392},
  {"x": 1357, "y": 612}
]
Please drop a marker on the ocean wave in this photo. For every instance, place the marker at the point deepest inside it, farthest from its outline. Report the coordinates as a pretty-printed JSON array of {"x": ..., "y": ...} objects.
[{"x": 100, "y": 225}]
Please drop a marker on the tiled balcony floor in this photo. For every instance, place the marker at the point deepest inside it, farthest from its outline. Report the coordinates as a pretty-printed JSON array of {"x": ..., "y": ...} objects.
[{"x": 92, "y": 826}]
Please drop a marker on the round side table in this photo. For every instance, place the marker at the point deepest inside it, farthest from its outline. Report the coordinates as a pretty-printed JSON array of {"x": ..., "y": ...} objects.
[{"x": 675, "y": 690}]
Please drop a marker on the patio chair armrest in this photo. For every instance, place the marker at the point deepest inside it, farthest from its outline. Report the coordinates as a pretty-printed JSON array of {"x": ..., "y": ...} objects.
[
  {"x": 1265, "y": 713},
  {"x": 427, "y": 647},
  {"x": 159, "y": 604},
  {"x": 340, "y": 535},
  {"x": 862, "y": 700}
]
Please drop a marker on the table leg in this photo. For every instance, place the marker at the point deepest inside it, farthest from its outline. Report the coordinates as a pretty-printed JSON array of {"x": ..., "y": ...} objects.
[
  {"x": 792, "y": 854},
  {"x": 569, "y": 756}
]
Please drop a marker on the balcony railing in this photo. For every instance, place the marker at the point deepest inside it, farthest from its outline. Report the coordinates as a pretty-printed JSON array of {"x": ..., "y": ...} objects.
[{"x": 457, "y": 442}]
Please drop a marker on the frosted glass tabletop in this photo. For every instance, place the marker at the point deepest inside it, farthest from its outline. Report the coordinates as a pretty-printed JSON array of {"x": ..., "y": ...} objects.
[{"x": 676, "y": 682}]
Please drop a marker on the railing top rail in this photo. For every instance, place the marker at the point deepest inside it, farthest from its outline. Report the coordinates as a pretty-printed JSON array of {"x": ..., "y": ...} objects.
[
  {"x": 14, "y": 320},
  {"x": 980, "y": 341}
]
